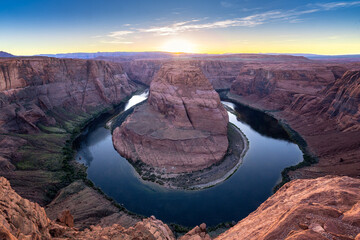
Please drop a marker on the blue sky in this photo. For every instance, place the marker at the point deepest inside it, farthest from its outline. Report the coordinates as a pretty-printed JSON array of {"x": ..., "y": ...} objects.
[{"x": 259, "y": 26}]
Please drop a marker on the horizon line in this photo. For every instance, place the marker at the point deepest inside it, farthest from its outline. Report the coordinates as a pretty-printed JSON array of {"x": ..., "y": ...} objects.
[{"x": 189, "y": 53}]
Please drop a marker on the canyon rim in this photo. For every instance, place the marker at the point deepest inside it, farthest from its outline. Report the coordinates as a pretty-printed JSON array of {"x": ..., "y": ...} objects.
[{"x": 189, "y": 120}]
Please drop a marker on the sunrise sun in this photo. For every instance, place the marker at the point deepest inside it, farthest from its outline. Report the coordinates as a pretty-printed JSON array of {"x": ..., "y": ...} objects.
[{"x": 178, "y": 46}]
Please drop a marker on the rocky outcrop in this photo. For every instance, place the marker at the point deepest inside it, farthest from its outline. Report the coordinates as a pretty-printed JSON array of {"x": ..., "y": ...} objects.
[
  {"x": 181, "y": 128},
  {"x": 197, "y": 233},
  {"x": 88, "y": 207},
  {"x": 25, "y": 220},
  {"x": 148, "y": 229},
  {"x": 323, "y": 208}
]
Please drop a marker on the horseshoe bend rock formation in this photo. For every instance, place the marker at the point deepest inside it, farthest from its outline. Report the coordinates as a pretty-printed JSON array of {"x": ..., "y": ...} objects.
[{"x": 181, "y": 128}]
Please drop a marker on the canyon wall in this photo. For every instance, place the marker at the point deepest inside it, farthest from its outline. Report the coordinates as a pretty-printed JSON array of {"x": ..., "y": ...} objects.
[
  {"x": 31, "y": 87},
  {"x": 318, "y": 100},
  {"x": 345, "y": 104},
  {"x": 43, "y": 101}
]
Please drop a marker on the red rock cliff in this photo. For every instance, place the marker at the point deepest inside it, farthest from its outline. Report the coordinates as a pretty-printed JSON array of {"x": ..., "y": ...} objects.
[
  {"x": 30, "y": 87},
  {"x": 322, "y": 208}
]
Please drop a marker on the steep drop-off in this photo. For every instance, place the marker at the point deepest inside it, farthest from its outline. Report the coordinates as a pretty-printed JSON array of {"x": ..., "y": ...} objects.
[
  {"x": 25, "y": 220},
  {"x": 320, "y": 101},
  {"x": 44, "y": 102},
  {"x": 345, "y": 106},
  {"x": 323, "y": 208},
  {"x": 181, "y": 128}
]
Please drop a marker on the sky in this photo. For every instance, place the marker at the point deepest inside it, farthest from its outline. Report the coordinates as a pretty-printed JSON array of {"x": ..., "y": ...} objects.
[{"x": 201, "y": 26}]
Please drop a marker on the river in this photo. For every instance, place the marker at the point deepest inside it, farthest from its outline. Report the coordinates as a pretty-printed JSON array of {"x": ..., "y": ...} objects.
[{"x": 270, "y": 151}]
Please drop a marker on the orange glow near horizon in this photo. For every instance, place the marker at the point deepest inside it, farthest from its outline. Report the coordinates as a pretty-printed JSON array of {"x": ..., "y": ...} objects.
[
  {"x": 179, "y": 46},
  {"x": 189, "y": 44}
]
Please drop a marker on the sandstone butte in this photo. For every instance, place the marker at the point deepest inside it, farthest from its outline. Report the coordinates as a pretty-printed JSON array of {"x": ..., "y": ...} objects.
[
  {"x": 322, "y": 208},
  {"x": 181, "y": 128}
]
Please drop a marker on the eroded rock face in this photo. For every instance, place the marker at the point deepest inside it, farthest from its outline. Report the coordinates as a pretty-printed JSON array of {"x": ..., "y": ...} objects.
[
  {"x": 24, "y": 220},
  {"x": 322, "y": 208},
  {"x": 181, "y": 128},
  {"x": 345, "y": 106},
  {"x": 20, "y": 217},
  {"x": 142, "y": 70},
  {"x": 88, "y": 207},
  {"x": 40, "y": 94},
  {"x": 319, "y": 100},
  {"x": 32, "y": 87}
]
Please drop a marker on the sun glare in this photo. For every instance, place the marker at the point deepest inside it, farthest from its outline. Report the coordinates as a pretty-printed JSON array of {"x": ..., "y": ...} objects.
[{"x": 178, "y": 46}]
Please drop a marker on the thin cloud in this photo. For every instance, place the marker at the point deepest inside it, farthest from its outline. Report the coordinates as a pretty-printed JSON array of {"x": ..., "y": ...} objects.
[
  {"x": 249, "y": 21},
  {"x": 119, "y": 34},
  {"x": 290, "y": 16},
  {"x": 333, "y": 5}
]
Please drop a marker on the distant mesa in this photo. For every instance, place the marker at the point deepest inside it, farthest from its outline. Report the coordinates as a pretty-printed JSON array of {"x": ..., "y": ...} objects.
[
  {"x": 181, "y": 128},
  {"x": 5, "y": 54}
]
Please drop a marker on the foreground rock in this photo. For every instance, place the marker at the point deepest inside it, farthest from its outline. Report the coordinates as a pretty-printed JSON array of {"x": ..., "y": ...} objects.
[
  {"x": 19, "y": 217},
  {"x": 322, "y": 208},
  {"x": 25, "y": 220},
  {"x": 88, "y": 207},
  {"x": 181, "y": 128}
]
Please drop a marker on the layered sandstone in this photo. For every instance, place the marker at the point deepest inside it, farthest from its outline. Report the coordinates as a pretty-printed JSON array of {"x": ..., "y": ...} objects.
[
  {"x": 319, "y": 100},
  {"x": 142, "y": 70},
  {"x": 88, "y": 207},
  {"x": 181, "y": 128},
  {"x": 323, "y": 208},
  {"x": 25, "y": 220},
  {"x": 345, "y": 104},
  {"x": 20, "y": 218},
  {"x": 31, "y": 87},
  {"x": 42, "y": 101}
]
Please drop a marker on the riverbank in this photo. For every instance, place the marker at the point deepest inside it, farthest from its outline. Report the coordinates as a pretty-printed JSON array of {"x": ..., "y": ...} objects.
[
  {"x": 47, "y": 157},
  {"x": 309, "y": 157},
  {"x": 208, "y": 177}
]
